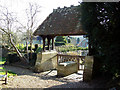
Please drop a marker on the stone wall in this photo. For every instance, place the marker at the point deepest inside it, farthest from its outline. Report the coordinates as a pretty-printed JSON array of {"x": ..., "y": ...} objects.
[
  {"x": 46, "y": 61},
  {"x": 64, "y": 70},
  {"x": 4, "y": 52},
  {"x": 88, "y": 67}
]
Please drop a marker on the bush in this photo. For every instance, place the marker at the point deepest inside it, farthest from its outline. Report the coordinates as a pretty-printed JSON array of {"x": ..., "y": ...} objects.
[
  {"x": 20, "y": 47},
  {"x": 60, "y": 40},
  {"x": 101, "y": 22},
  {"x": 29, "y": 47},
  {"x": 59, "y": 43},
  {"x": 70, "y": 48},
  {"x": 39, "y": 49}
]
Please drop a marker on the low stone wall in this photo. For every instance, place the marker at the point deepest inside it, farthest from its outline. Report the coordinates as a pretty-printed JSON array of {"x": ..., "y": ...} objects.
[
  {"x": 88, "y": 67},
  {"x": 4, "y": 52},
  {"x": 46, "y": 61},
  {"x": 64, "y": 70},
  {"x": 12, "y": 58}
]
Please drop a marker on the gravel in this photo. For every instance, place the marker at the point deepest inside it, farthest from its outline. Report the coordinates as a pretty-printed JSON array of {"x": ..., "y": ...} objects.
[{"x": 27, "y": 79}]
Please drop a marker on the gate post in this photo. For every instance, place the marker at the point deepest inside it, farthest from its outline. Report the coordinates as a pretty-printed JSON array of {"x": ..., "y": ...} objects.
[{"x": 88, "y": 67}]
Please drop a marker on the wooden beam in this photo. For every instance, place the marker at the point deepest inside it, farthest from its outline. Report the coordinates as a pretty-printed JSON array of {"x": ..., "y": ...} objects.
[
  {"x": 43, "y": 37},
  {"x": 52, "y": 43},
  {"x": 48, "y": 37},
  {"x": 43, "y": 44}
]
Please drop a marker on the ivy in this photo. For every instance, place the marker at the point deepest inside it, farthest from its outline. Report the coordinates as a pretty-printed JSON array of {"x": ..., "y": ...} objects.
[{"x": 101, "y": 22}]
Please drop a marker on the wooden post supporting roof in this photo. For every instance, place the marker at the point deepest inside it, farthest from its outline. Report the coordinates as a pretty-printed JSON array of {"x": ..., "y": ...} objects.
[
  {"x": 43, "y": 37},
  {"x": 52, "y": 43},
  {"x": 48, "y": 38}
]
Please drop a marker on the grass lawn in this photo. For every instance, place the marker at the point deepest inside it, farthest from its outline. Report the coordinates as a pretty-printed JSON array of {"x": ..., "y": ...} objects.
[{"x": 10, "y": 73}]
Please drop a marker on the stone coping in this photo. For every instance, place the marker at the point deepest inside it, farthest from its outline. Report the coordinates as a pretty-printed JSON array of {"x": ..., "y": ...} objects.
[
  {"x": 47, "y": 52},
  {"x": 67, "y": 63}
]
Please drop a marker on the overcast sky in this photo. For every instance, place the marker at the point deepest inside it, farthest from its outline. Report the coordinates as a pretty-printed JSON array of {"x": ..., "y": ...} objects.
[{"x": 47, "y": 6}]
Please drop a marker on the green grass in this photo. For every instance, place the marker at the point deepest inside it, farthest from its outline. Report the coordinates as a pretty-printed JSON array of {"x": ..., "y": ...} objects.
[
  {"x": 2, "y": 62},
  {"x": 10, "y": 73}
]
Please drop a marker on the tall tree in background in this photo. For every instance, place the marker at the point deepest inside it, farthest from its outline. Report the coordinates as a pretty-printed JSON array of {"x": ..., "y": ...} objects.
[{"x": 101, "y": 22}]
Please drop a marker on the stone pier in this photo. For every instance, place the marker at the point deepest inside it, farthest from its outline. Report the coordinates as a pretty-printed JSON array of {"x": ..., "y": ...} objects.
[
  {"x": 46, "y": 61},
  {"x": 88, "y": 67}
]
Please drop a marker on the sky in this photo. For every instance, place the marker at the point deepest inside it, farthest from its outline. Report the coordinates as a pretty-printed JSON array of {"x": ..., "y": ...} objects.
[{"x": 47, "y": 6}]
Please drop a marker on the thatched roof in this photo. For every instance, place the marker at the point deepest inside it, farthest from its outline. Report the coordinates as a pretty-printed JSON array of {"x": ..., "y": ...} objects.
[{"x": 62, "y": 21}]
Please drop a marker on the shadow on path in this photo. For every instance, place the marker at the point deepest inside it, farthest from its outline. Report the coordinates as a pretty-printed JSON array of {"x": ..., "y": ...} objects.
[
  {"x": 48, "y": 75},
  {"x": 71, "y": 81}
]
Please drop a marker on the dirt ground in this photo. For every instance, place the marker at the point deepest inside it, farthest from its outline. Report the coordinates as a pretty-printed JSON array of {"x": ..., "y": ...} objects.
[{"x": 27, "y": 79}]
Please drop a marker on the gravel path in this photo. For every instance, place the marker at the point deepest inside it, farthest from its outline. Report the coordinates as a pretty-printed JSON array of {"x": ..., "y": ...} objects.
[{"x": 27, "y": 79}]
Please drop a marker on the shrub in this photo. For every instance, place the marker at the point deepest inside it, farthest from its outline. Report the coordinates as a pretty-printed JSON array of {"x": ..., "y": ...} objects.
[
  {"x": 39, "y": 49},
  {"x": 60, "y": 40},
  {"x": 59, "y": 43},
  {"x": 20, "y": 46},
  {"x": 70, "y": 48}
]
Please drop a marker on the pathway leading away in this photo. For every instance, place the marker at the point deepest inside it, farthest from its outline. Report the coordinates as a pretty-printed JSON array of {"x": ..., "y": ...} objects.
[{"x": 27, "y": 79}]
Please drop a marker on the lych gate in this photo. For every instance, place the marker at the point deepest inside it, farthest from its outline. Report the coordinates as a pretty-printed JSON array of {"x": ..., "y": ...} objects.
[{"x": 61, "y": 22}]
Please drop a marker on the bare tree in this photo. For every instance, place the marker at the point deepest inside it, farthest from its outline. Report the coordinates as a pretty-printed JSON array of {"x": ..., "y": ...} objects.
[
  {"x": 32, "y": 13},
  {"x": 7, "y": 21}
]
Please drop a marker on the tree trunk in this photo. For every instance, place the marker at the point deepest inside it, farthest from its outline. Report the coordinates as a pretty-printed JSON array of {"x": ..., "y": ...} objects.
[
  {"x": 31, "y": 47},
  {"x": 17, "y": 51},
  {"x": 22, "y": 58},
  {"x": 27, "y": 51},
  {"x": 90, "y": 49}
]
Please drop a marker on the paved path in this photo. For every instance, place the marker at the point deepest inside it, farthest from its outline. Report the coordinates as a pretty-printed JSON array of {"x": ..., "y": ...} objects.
[{"x": 27, "y": 79}]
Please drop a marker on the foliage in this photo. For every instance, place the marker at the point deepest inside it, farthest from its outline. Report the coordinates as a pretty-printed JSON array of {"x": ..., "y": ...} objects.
[
  {"x": 69, "y": 48},
  {"x": 101, "y": 22},
  {"x": 72, "y": 53},
  {"x": 20, "y": 46},
  {"x": 69, "y": 41},
  {"x": 10, "y": 73},
  {"x": 39, "y": 49},
  {"x": 68, "y": 38},
  {"x": 7, "y": 26},
  {"x": 60, "y": 40},
  {"x": 23, "y": 47},
  {"x": 59, "y": 43}
]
